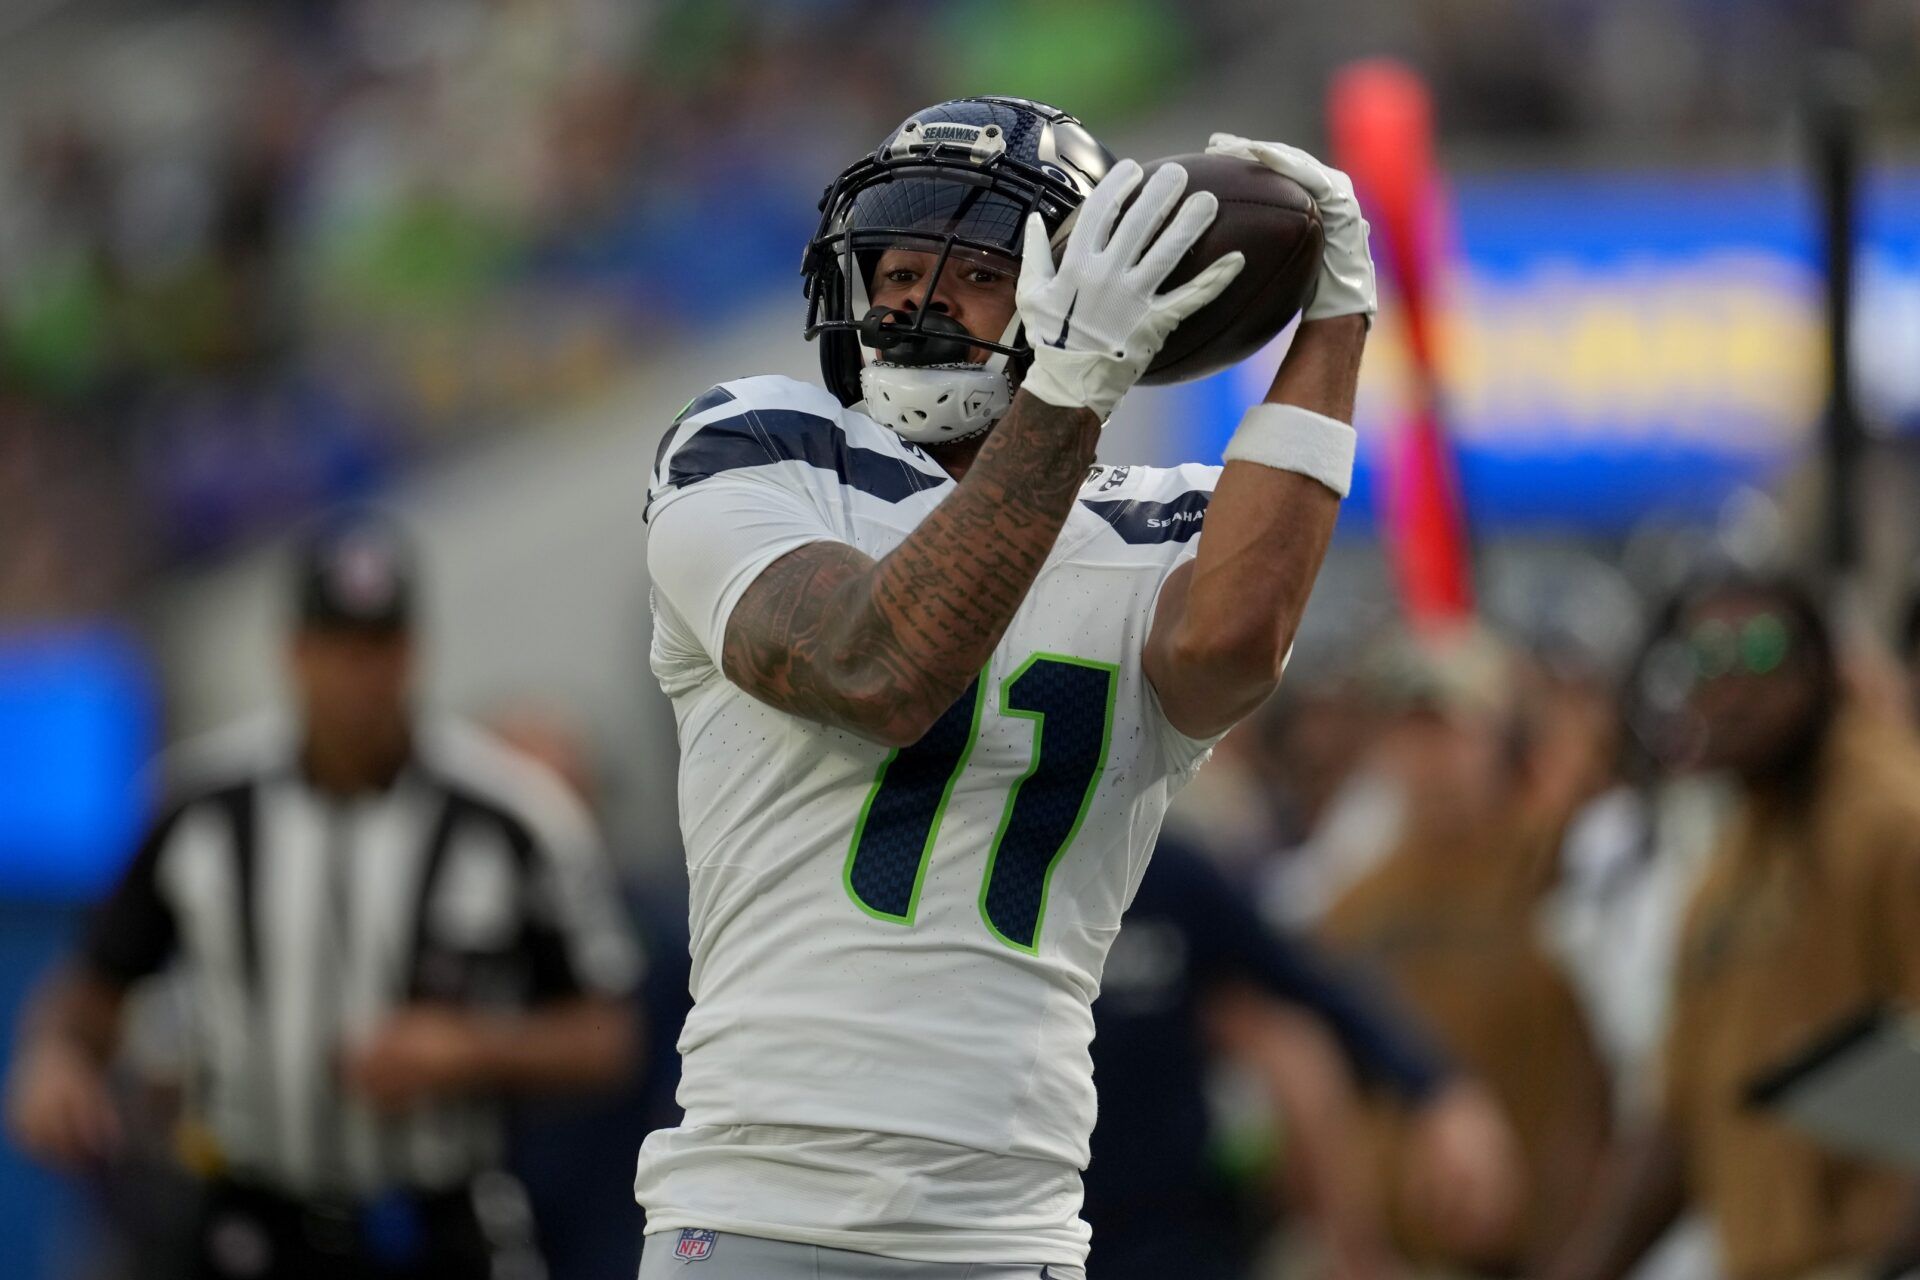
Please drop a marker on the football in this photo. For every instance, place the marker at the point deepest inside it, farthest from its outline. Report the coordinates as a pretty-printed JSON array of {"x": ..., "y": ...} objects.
[{"x": 1273, "y": 221}]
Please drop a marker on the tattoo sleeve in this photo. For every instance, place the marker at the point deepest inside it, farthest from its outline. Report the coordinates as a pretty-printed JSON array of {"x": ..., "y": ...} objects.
[{"x": 883, "y": 647}]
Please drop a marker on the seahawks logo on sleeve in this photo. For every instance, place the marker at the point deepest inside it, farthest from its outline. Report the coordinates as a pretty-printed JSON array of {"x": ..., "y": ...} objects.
[{"x": 1151, "y": 504}]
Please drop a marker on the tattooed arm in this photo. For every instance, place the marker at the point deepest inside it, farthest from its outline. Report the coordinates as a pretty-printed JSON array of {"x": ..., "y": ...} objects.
[{"x": 883, "y": 647}]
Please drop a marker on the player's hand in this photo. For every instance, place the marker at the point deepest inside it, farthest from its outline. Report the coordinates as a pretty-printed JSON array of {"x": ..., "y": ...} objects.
[
  {"x": 1463, "y": 1173},
  {"x": 1096, "y": 321},
  {"x": 419, "y": 1054},
  {"x": 58, "y": 1108},
  {"x": 1346, "y": 285}
]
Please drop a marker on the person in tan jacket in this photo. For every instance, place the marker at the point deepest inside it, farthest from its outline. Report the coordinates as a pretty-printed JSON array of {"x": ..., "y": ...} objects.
[
  {"x": 1449, "y": 918},
  {"x": 1809, "y": 913}
]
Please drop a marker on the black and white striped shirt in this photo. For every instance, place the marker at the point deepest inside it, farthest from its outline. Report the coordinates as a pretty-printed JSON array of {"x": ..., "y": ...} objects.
[{"x": 302, "y": 920}]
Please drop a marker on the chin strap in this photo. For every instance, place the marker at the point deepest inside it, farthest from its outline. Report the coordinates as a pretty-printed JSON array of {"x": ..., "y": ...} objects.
[
  {"x": 929, "y": 403},
  {"x": 941, "y": 403},
  {"x": 937, "y": 404}
]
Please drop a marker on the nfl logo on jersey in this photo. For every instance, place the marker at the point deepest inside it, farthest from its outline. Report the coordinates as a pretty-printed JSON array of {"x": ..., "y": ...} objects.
[{"x": 695, "y": 1245}]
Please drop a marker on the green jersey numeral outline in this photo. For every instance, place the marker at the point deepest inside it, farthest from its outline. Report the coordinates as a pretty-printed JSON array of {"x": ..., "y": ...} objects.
[{"x": 1009, "y": 704}]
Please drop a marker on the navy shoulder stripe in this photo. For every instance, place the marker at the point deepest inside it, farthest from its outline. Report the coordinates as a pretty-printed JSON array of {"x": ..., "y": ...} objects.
[
  {"x": 711, "y": 398},
  {"x": 760, "y": 437},
  {"x": 1139, "y": 521},
  {"x": 706, "y": 400}
]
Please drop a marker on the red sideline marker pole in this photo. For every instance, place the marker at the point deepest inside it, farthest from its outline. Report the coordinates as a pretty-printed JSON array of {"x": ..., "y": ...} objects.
[{"x": 1380, "y": 117}]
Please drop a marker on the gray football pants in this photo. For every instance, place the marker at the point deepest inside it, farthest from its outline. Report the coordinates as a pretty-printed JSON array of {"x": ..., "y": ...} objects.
[{"x": 731, "y": 1257}]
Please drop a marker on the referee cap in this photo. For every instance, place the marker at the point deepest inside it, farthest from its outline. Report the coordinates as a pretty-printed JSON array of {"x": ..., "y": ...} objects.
[{"x": 357, "y": 573}]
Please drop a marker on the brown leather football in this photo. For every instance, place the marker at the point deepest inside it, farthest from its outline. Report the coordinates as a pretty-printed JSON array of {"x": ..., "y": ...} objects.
[{"x": 1274, "y": 222}]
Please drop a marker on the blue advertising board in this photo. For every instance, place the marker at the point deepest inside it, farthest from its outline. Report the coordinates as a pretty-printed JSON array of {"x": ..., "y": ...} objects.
[
  {"x": 77, "y": 726},
  {"x": 1625, "y": 346}
]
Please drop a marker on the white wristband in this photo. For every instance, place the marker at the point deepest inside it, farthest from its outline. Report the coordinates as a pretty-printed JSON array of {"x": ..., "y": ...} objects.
[{"x": 1289, "y": 438}]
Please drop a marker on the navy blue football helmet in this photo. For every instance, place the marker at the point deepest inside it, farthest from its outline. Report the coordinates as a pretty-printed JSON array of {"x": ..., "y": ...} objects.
[{"x": 956, "y": 178}]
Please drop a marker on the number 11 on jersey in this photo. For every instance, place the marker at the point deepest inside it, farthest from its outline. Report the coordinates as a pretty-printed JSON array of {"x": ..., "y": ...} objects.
[{"x": 1070, "y": 704}]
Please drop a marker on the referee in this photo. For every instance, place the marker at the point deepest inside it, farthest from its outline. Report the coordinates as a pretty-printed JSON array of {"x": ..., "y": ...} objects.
[{"x": 388, "y": 922}]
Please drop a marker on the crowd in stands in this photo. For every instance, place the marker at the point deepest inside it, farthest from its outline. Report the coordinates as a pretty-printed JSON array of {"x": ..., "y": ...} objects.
[
  {"x": 307, "y": 245},
  {"x": 259, "y": 257},
  {"x": 1620, "y": 895}
]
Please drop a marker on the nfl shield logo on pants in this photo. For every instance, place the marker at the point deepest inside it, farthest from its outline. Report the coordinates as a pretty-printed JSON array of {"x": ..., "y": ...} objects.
[{"x": 695, "y": 1245}]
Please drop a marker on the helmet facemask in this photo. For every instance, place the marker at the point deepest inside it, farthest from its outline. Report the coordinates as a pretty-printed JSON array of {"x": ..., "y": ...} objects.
[
  {"x": 919, "y": 370},
  {"x": 923, "y": 372},
  {"x": 955, "y": 184}
]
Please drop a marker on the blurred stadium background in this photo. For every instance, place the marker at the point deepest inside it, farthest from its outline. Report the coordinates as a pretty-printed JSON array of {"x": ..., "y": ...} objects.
[{"x": 467, "y": 258}]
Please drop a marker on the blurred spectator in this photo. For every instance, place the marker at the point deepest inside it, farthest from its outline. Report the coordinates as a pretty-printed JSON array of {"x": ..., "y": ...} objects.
[
  {"x": 1450, "y": 917},
  {"x": 1345, "y": 812},
  {"x": 1193, "y": 970},
  {"x": 1290, "y": 805},
  {"x": 1569, "y": 730},
  {"x": 1629, "y": 863},
  {"x": 1123, "y": 51},
  {"x": 1233, "y": 808},
  {"x": 387, "y": 923},
  {"x": 1809, "y": 913},
  {"x": 362, "y": 232},
  {"x": 309, "y": 244},
  {"x": 575, "y": 1155},
  {"x": 1908, "y": 653}
]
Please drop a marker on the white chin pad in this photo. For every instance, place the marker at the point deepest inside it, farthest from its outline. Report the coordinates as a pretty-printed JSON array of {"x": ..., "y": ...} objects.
[{"x": 936, "y": 404}]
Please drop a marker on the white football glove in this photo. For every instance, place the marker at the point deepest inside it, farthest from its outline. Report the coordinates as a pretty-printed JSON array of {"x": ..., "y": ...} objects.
[
  {"x": 1346, "y": 285},
  {"x": 1096, "y": 321}
]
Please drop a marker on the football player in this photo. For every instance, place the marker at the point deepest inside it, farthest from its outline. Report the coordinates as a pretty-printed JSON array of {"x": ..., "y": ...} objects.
[{"x": 936, "y": 676}]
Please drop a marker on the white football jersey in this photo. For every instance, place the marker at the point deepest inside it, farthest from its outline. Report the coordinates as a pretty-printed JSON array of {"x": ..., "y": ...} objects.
[{"x": 903, "y": 942}]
